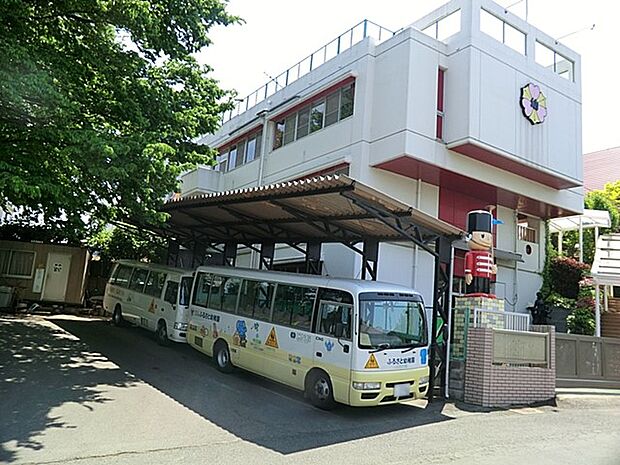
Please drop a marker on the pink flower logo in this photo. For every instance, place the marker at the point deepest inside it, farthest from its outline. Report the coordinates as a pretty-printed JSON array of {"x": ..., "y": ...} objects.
[{"x": 533, "y": 104}]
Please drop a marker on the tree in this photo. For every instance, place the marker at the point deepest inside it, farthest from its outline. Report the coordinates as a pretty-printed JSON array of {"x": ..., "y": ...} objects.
[
  {"x": 123, "y": 243},
  {"x": 100, "y": 105}
]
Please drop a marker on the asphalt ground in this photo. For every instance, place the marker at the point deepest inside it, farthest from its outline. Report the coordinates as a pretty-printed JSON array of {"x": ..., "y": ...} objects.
[{"x": 80, "y": 391}]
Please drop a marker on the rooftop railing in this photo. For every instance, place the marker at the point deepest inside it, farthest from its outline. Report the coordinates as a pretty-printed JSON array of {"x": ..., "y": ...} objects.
[{"x": 332, "y": 49}]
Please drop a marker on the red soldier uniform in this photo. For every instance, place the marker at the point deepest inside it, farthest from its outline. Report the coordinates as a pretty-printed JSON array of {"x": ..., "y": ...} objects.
[
  {"x": 479, "y": 266},
  {"x": 479, "y": 263}
]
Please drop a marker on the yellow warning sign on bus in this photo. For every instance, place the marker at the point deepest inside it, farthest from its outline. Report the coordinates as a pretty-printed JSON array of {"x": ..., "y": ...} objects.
[
  {"x": 372, "y": 362},
  {"x": 272, "y": 340}
]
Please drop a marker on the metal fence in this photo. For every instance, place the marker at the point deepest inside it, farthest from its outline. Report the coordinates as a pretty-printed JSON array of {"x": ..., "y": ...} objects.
[
  {"x": 332, "y": 49},
  {"x": 501, "y": 320},
  {"x": 587, "y": 360}
]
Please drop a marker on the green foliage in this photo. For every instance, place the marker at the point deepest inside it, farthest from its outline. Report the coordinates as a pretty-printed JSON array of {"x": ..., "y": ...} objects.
[
  {"x": 566, "y": 274},
  {"x": 100, "y": 104},
  {"x": 556, "y": 300},
  {"x": 581, "y": 321},
  {"x": 550, "y": 254},
  {"x": 119, "y": 243}
]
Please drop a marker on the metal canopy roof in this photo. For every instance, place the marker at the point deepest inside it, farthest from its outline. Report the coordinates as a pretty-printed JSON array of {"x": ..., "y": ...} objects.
[
  {"x": 606, "y": 265},
  {"x": 321, "y": 209},
  {"x": 589, "y": 219}
]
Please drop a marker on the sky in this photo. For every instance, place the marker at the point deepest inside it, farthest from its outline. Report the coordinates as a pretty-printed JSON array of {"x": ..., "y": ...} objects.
[{"x": 278, "y": 33}]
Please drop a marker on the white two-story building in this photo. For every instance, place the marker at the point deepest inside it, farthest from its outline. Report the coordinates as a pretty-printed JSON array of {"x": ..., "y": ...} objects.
[{"x": 467, "y": 108}]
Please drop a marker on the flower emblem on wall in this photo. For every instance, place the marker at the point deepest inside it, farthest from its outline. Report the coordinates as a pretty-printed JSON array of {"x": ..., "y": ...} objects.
[{"x": 533, "y": 103}]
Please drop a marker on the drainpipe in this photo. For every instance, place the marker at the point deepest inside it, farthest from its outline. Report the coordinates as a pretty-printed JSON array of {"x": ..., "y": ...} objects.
[
  {"x": 450, "y": 290},
  {"x": 263, "y": 147},
  {"x": 515, "y": 281},
  {"x": 416, "y": 249},
  {"x": 580, "y": 238},
  {"x": 254, "y": 256}
]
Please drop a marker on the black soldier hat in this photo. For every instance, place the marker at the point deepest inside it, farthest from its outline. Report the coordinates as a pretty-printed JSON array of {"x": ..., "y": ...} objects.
[{"x": 479, "y": 220}]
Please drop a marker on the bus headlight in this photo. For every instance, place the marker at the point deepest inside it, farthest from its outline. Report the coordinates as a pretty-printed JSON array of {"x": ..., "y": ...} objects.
[
  {"x": 423, "y": 380},
  {"x": 180, "y": 326},
  {"x": 366, "y": 386}
]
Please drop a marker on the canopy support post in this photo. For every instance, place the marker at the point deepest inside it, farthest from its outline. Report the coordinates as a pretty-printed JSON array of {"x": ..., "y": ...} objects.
[
  {"x": 267, "y": 250},
  {"x": 370, "y": 259},
  {"x": 597, "y": 307},
  {"x": 313, "y": 257}
]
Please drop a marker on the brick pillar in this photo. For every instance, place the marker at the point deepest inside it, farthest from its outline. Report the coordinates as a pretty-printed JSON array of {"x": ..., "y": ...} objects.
[{"x": 478, "y": 366}]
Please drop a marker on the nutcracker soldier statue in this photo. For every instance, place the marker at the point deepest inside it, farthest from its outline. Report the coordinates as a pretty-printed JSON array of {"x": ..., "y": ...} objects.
[{"x": 479, "y": 266}]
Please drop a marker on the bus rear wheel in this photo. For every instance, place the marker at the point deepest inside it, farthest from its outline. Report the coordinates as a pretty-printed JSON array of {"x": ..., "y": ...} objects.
[
  {"x": 221, "y": 356},
  {"x": 117, "y": 317},
  {"x": 320, "y": 391},
  {"x": 162, "y": 333}
]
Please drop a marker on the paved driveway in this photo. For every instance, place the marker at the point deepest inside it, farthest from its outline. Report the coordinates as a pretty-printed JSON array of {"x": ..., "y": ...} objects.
[{"x": 79, "y": 391}]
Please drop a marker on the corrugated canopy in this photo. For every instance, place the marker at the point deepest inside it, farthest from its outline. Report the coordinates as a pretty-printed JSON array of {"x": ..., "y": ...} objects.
[
  {"x": 322, "y": 209},
  {"x": 589, "y": 219},
  {"x": 606, "y": 265}
]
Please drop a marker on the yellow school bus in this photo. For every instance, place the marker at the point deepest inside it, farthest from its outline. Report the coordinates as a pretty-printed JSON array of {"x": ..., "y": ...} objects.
[{"x": 360, "y": 343}]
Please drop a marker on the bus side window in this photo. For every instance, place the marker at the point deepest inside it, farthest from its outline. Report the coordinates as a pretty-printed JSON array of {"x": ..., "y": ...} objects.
[
  {"x": 255, "y": 299},
  {"x": 114, "y": 274},
  {"x": 123, "y": 275},
  {"x": 155, "y": 283},
  {"x": 171, "y": 292},
  {"x": 230, "y": 293},
  {"x": 138, "y": 279},
  {"x": 293, "y": 306}
]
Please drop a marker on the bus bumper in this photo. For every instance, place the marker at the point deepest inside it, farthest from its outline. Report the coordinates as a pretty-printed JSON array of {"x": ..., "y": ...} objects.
[
  {"x": 177, "y": 335},
  {"x": 388, "y": 379}
]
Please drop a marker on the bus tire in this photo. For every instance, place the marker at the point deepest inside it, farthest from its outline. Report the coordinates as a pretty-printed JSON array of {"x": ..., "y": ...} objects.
[
  {"x": 117, "y": 316},
  {"x": 221, "y": 357},
  {"x": 162, "y": 333},
  {"x": 319, "y": 390}
]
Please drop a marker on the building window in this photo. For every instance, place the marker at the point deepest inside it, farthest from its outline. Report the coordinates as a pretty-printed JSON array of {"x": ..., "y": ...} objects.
[
  {"x": 242, "y": 152},
  {"x": 440, "y": 97},
  {"x": 16, "y": 263},
  {"x": 322, "y": 113},
  {"x": 552, "y": 60},
  {"x": 526, "y": 229},
  {"x": 278, "y": 134},
  {"x": 501, "y": 31},
  {"x": 303, "y": 122}
]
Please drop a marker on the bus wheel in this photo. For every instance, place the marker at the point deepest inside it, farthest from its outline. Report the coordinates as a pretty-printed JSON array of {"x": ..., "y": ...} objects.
[
  {"x": 221, "y": 355},
  {"x": 162, "y": 333},
  {"x": 117, "y": 316},
  {"x": 319, "y": 390}
]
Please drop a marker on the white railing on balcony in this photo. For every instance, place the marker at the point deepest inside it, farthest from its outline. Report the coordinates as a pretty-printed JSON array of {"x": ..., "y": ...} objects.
[
  {"x": 501, "y": 320},
  {"x": 341, "y": 43},
  {"x": 526, "y": 233}
]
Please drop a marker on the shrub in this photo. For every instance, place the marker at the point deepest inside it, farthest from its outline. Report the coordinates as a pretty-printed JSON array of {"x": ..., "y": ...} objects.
[
  {"x": 581, "y": 321},
  {"x": 556, "y": 300},
  {"x": 566, "y": 273}
]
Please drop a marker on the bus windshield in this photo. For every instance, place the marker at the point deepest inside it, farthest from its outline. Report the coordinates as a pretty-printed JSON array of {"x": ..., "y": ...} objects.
[{"x": 389, "y": 323}]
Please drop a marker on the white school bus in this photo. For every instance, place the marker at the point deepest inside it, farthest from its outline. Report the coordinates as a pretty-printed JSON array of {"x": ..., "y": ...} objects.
[
  {"x": 154, "y": 297},
  {"x": 360, "y": 343}
]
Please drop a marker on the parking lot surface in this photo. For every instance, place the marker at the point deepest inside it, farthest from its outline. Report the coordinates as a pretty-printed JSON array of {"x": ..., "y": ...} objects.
[{"x": 80, "y": 391}]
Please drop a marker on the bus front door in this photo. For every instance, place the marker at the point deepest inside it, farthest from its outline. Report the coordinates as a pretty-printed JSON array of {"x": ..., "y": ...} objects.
[{"x": 332, "y": 346}]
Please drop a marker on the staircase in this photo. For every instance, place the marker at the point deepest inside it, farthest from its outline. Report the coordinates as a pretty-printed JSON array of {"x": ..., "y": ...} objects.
[{"x": 610, "y": 320}]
